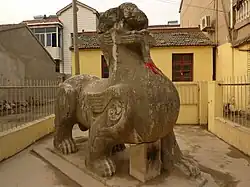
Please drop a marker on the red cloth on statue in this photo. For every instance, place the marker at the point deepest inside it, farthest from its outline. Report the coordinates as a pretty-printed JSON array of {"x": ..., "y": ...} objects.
[{"x": 150, "y": 65}]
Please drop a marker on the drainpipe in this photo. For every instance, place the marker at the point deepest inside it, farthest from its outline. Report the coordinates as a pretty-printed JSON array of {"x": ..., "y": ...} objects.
[
  {"x": 233, "y": 62},
  {"x": 231, "y": 14},
  {"x": 231, "y": 26},
  {"x": 75, "y": 28}
]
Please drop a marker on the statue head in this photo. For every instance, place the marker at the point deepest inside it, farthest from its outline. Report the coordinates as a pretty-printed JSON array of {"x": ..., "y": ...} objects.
[
  {"x": 128, "y": 13},
  {"x": 133, "y": 16},
  {"x": 118, "y": 21}
]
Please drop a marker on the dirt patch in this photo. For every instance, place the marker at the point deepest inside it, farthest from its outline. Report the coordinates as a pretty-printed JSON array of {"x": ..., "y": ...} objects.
[{"x": 222, "y": 179}]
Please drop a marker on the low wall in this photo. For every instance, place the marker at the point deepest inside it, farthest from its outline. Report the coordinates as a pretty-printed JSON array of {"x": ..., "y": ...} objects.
[
  {"x": 15, "y": 140},
  {"x": 232, "y": 133}
]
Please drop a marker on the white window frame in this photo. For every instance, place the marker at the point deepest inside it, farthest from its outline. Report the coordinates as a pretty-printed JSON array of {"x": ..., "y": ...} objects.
[{"x": 45, "y": 33}]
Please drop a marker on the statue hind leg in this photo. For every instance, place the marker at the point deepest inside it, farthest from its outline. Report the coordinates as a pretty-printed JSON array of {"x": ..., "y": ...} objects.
[
  {"x": 173, "y": 157},
  {"x": 65, "y": 119}
]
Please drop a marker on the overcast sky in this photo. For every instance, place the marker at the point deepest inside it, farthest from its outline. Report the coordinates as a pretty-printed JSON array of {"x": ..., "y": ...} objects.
[{"x": 15, "y": 11}]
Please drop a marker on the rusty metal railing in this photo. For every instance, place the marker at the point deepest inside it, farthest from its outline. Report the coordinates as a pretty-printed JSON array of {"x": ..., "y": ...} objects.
[
  {"x": 23, "y": 101},
  {"x": 236, "y": 99}
]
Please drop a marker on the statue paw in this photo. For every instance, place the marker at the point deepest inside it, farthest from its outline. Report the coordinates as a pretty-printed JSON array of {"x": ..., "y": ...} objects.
[
  {"x": 103, "y": 167},
  {"x": 118, "y": 148},
  {"x": 67, "y": 146},
  {"x": 189, "y": 167}
]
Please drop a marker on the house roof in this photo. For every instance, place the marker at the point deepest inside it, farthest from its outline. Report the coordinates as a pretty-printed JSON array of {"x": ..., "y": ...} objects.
[
  {"x": 46, "y": 21},
  {"x": 8, "y": 27},
  {"x": 151, "y": 27},
  {"x": 79, "y": 4},
  {"x": 164, "y": 38},
  {"x": 11, "y": 26},
  {"x": 181, "y": 6},
  {"x": 242, "y": 41}
]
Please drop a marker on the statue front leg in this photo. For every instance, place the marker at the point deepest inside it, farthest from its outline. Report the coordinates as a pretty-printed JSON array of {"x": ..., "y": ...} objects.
[
  {"x": 105, "y": 135},
  {"x": 65, "y": 120}
]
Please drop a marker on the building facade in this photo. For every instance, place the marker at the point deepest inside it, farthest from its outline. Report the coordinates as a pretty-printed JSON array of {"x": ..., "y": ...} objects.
[
  {"x": 87, "y": 20},
  {"x": 48, "y": 31},
  {"x": 54, "y": 32},
  {"x": 227, "y": 23},
  {"x": 183, "y": 54}
]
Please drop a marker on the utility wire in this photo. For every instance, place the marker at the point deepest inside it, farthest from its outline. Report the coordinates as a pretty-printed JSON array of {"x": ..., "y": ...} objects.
[
  {"x": 187, "y": 8},
  {"x": 190, "y": 5},
  {"x": 207, "y": 7}
]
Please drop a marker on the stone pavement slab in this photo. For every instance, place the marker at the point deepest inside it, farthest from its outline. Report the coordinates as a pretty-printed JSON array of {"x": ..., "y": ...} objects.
[
  {"x": 227, "y": 165},
  {"x": 27, "y": 170},
  {"x": 222, "y": 164}
]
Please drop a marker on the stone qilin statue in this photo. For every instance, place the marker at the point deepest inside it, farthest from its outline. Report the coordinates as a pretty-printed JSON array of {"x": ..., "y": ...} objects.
[{"x": 136, "y": 104}]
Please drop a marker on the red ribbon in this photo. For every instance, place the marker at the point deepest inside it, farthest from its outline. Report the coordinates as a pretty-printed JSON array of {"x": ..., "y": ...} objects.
[{"x": 150, "y": 65}]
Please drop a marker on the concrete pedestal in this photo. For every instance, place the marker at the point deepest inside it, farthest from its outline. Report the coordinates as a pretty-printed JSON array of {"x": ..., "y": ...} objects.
[{"x": 145, "y": 161}]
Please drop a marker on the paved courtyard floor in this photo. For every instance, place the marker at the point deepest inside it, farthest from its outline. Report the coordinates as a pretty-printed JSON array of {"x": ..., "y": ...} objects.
[{"x": 227, "y": 166}]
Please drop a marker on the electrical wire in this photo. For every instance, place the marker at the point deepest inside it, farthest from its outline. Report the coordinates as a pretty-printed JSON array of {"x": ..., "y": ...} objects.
[
  {"x": 186, "y": 8},
  {"x": 207, "y": 7},
  {"x": 190, "y": 5}
]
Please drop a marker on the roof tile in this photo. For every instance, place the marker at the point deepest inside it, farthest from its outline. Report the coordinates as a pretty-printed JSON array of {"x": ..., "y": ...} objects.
[
  {"x": 163, "y": 37},
  {"x": 245, "y": 40}
]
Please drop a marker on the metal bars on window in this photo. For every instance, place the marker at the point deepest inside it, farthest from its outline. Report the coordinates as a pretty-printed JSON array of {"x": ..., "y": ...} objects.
[
  {"x": 182, "y": 67},
  {"x": 243, "y": 11}
]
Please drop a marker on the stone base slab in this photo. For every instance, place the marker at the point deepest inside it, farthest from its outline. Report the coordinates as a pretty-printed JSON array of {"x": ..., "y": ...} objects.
[
  {"x": 145, "y": 161},
  {"x": 74, "y": 167}
]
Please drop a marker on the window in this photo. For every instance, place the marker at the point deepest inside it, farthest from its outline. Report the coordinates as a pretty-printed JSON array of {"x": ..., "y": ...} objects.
[
  {"x": 48, "y": 36},
  {"x": 57, "y": 66},
  {"x": 50, "y": 29},
  {"x": 41, "y": 38},
  {"x": 182, "y": 67},
  {"x": 54, "y": 40},
  {"x": 242, "y": 10},
  {"x": 48, "y": 40},
  {"x": 39, "y": 30},
  {"x": 105, "y": 69},
  {"x": 59, "y": 38}
]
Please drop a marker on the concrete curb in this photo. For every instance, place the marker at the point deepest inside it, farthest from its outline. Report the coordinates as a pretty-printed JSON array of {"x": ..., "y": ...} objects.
[
  {"x": 15, "y": 140},
  {"x": 74, "y": 173}
]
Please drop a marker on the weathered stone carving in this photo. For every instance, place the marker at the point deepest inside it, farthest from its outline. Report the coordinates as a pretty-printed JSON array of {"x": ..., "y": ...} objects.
[{"x": 136, "y": 104}]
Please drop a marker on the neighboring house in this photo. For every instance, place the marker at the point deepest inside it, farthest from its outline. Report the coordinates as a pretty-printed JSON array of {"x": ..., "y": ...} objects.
[
  {"x": 87, "y": 20},
  {"x": 22, "y": 56},
  {"x": 60, "y": 28},
  {"x": 231, "y": 32},
  {"x": 48, "y": 31},
  {"x": 183, "y": 54}
]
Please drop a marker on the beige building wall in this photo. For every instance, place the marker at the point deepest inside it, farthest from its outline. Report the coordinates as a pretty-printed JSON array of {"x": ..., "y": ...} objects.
[
  {"x": 193, "y": 10},
  {"x": 87, "y": 21},
  {"x": 90, "y": 61}
]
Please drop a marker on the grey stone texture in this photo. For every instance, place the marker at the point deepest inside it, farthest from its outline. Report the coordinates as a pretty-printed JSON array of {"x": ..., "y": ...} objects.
[{"x": 136, "y": 104}]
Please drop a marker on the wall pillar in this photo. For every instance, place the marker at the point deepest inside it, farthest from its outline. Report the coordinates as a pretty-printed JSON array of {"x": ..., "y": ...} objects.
[
  {"x": 215, "y": 103},
  {"x": 203, "y": 103}
]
